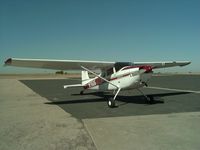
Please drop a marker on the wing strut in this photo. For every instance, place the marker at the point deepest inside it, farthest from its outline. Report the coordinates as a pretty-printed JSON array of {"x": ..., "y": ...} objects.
[
  {"x": 111, "y": 101},
  {"x": 117, "y": 93},
  {"x": 99, "y": 76}
]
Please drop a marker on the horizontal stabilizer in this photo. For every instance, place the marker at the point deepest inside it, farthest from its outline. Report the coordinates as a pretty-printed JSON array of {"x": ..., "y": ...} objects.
[{"x": 73, "y": 85}]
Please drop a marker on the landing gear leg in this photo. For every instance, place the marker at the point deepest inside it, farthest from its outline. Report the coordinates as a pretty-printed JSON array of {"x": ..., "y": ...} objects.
[
  {"x": 148, "y": 98},
  {"x": 111, "y": 101}
]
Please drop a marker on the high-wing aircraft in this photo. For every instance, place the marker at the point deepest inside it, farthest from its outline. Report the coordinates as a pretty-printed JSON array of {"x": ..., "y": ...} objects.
[{"x": 113, "y": 76}]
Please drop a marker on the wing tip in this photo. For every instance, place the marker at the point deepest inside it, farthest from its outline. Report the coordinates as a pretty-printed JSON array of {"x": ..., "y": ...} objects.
[
  {"x": 8, "y": 61},
  {"x": 186, "y": 63}
]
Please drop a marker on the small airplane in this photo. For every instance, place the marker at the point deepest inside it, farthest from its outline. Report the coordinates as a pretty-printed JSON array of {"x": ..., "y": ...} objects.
[{"x": 112, "y": 76}]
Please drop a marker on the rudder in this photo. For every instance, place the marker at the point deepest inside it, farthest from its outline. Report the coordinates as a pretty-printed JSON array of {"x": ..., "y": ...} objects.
[{"x": 84, "y": 77}]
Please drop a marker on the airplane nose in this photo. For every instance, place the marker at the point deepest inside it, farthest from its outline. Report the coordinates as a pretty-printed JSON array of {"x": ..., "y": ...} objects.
[{"x": 146, "y": 69}]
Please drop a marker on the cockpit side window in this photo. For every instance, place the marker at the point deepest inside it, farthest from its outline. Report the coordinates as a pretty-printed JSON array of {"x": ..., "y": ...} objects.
[
  {"x": 107, "y": 72},
  {"x": 119, "y": 65}
]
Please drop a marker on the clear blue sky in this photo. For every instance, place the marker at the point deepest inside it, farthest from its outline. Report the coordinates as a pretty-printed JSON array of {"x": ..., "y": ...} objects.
[{"x": 112, "y": 30}]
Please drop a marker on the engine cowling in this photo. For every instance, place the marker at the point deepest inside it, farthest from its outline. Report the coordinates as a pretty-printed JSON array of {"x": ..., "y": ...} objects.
[
  {"x": 146, "y": 74},
  {"x": 146, "y": 69}
]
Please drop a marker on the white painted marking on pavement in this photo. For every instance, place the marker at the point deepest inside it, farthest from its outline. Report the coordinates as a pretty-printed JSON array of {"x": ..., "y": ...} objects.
[{"x": 169, "y": 89}]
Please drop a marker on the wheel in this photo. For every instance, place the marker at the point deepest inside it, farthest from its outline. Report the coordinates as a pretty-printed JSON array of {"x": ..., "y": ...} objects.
[
  {"x": 111, "y": 103},
  {"x": 150, "y": 99},
  {"x": 81, "y": 93}
]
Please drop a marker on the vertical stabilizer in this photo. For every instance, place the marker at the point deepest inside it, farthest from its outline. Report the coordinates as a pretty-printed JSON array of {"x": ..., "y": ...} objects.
[{"x": 85, "y": 77}]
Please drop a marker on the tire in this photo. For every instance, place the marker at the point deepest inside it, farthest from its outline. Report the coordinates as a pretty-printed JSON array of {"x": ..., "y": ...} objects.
[
  {"x": 111, "y": 102},
  {"x": 150, "y": 99},
  {"x": 81, "y": 93}
]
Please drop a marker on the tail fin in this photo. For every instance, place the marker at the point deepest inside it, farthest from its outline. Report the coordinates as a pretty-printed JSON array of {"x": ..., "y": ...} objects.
[{"x": 85, "y": 77}]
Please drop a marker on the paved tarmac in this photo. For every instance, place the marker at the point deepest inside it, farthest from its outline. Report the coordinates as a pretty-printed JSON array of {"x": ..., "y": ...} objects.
[
  {"x": 171, "y": 122},
  {"x": 131, "y": 103},
  {"x": 27, "y": 124}
]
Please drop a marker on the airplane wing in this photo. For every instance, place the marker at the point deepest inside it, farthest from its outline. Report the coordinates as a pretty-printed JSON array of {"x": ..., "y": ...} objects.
[
  {"x": 164, "y": 64},
  {"x": 58, "y": 64},
  {"x": 76, "y": 64}
]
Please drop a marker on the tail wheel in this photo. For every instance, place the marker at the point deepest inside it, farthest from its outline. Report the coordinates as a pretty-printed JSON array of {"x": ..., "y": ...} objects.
[
  {"x": 150, "y": 99},
  {"x": 111, "y": 103},
  {"x": 81, "y": 93}
]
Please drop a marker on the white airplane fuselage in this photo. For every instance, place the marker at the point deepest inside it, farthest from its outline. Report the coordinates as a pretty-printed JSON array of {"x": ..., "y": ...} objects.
[{"x": 125, "y": 78}]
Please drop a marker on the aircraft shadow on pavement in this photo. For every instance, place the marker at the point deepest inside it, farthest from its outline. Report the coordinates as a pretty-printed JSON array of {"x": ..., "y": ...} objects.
[
  {"x": 157, "y": 98},
  {"x": 94, "y": 105}
]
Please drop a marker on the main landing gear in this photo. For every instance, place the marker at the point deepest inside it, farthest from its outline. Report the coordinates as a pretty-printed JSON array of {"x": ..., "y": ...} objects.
[
  {"x": 111, "y": 101},
  {"x": 149, "y": 99},
  {"x": 81, "y": 92}
]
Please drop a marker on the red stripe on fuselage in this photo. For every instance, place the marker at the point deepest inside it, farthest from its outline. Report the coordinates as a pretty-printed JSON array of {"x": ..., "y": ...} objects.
[
  {"x": 148, "y": 68},
  {"x": 130, "y": 67},
  {"x": 99, "y": 81}
]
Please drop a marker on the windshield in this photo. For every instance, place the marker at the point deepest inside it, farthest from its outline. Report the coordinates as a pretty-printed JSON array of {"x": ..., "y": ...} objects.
[{"x": 119, "y": 65}]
